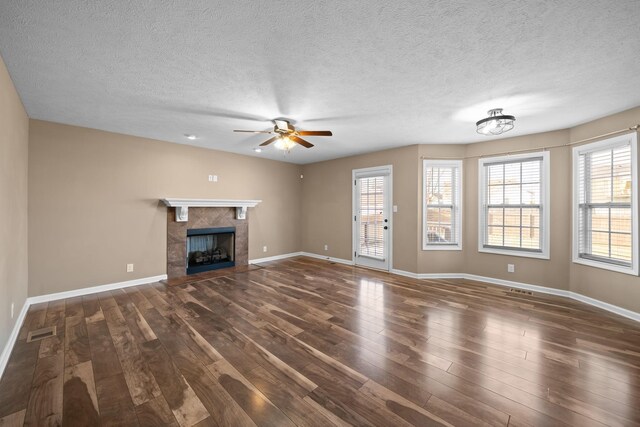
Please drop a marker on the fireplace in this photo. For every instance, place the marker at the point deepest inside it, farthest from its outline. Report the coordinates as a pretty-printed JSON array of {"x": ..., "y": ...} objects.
[
  {"x": 210, "y": 249},
  {"x": 200, "y": 218}
]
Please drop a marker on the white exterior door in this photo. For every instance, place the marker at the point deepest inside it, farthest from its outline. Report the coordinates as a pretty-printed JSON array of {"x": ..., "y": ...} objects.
[{"x": 372, "y": 217}]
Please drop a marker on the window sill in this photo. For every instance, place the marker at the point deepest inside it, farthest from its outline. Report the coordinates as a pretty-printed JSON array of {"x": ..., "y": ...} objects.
[
  {"x": 508, "y": 252},
  {"x": 606, "y": 266},
  {"x": 442, "y": 247}
]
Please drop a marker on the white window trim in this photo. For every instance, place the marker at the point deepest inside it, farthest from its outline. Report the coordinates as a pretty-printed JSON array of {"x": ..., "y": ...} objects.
[
  {"x": 457, "y": 203},
  {"x": 545, "y": 199},
  {"x": 631, "y": 138}
]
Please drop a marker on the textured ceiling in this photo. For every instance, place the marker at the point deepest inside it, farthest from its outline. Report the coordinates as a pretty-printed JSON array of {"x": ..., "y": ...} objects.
[{"x": 379, "y": 74}]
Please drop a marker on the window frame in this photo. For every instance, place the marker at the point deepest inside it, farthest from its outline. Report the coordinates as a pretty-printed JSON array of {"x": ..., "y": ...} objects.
[
  {"x": 609, "y": 143},
  {"x": 545, "y": 205},
  {"x": 456, "y": 206}
]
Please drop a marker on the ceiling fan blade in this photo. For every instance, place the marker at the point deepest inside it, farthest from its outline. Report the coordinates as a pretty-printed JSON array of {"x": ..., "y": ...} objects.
[
  {"x": 253, "y": 131},
  {"x": 315, "y": 133},
  {"x": 269, "y": 141},
  {"x": 301, "y": 141}
]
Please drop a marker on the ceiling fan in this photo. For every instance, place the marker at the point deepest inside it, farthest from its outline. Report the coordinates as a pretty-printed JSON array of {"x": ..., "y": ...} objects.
[{"x": 287, "y": 136}]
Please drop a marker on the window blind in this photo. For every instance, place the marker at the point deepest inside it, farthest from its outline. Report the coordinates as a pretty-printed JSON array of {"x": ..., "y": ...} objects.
[
  {"x": 605, "y": 223},
  {"x": 371, "y": 210},
  {"x": 442, "y": 221},
  {"x": 512, "y": 205}
]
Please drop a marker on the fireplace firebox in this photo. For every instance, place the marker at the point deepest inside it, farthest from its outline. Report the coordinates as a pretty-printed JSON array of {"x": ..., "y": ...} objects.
[{"x": 210, "y": 249}]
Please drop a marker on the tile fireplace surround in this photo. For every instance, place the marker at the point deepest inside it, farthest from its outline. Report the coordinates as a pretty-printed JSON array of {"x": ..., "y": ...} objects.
[{"x": 202, "y": 217}]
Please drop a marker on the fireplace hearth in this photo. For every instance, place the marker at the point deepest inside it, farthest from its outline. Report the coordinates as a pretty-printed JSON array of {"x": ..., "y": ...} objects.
[{"x": 210, "y": 249}]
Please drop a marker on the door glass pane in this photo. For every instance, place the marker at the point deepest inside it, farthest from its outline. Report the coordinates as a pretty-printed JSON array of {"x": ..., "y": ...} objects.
[{"x": 371, "y": 211}]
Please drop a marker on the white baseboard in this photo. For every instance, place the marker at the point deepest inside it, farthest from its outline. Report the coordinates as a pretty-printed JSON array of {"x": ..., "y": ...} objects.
[
  {"x": 519, "y": 285},
  {"x": 405, "y": 273},
  {"x": 560, "y": 292},
  {"x": 533, "y": 288},
  {"x": 6, "y": 352},
  {"x": 606, "y": 306},
  {"x": 525, "y": 286},
  {"x": 295, "y": 254},
  {"x": 13, "y": 337},
  {"x": 95, "y": 289},
  {"x": 327, "y": 258},
  {"x": 275, "y": 257}
]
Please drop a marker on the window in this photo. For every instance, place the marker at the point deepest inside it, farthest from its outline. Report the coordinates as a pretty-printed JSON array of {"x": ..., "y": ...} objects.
[
  {"x": 605, "y": 218},
  {"x": 514, "y": 205},
  {"x": 442, "y": 184}
]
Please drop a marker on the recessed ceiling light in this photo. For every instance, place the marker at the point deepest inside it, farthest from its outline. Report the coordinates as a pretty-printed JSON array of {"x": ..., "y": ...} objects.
[
  {"x": 191, "y": 137},
  {"x": 258, "y": 150}
]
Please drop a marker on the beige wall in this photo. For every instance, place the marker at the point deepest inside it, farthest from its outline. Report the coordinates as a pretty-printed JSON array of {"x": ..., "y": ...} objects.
[
  {"x": 553, "y": 273},
  {"x": 94, "y": 203},
  {"x": 326, "y": 211},
  {"x": 94, "y": 207},
  {"x": 327, "y": 207},
  {"x": 14, "y": 143},
  {"x": 619, "y": 289}
]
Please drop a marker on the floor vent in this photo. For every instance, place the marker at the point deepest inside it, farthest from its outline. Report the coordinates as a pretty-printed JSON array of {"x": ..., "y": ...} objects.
[
  {"x": 520, "y": 291},
  {"x": 40, "y": 334}
]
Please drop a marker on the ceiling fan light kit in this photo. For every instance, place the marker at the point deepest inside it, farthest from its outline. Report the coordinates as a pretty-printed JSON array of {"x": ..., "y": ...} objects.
[
  {"x": 496, "y": 124},
  {"x": 287, "y": 136},
  {"x": 284, "y": 143}
]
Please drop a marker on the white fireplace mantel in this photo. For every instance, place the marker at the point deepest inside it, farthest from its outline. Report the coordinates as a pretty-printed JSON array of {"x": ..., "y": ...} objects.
[{"x": 182, "y": 206}]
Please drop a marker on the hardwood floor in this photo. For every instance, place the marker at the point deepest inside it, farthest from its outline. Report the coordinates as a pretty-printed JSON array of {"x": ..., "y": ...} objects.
[{"x": 307, "y": 342}]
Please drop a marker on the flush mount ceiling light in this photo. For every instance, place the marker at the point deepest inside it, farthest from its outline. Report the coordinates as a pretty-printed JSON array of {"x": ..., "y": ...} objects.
[{"x": 495, "y": 124}]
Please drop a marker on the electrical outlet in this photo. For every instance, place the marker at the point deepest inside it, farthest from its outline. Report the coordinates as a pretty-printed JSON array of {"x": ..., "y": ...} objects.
[
  {"x": 326, "y": 247},
  {"x": 12, "y": 307},
  {"x": 264, "y": 249},
  {"x": 129, "y": 268},
  {"x": 511, "y": 268},
  {"x": 395, "y": 208}
]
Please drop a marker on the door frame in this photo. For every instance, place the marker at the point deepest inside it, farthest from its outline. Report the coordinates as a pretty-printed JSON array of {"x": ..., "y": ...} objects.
[{"x": 386, "y": 170}]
